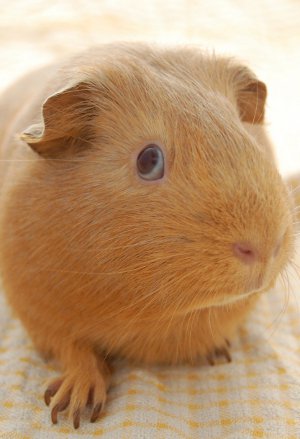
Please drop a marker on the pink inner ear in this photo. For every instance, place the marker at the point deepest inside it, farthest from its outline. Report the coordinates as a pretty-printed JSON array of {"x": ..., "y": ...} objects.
[{"x": 251, "y": 102}]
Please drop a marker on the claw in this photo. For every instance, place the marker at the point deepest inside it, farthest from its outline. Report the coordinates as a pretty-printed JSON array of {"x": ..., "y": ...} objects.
[
  {"x": 218, "y": 352},
  {"x": 210, "y": 359},
  {"x": 51, "y": 391},
  {"x": 76, "y": 419},
  {"x": 227, "y": 356},
  {"x": 61, "y": 406},
  {"x": 47, "y": 397},
  {"x": 223, "y": 352},
  {"x": 96, "y": 412},
  {"x": 90, "y": 398},
  {"x": 54, "y": 413}
]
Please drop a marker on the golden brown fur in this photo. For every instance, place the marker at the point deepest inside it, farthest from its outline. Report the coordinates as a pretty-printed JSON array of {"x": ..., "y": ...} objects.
[{"x": 97, "y": 262}]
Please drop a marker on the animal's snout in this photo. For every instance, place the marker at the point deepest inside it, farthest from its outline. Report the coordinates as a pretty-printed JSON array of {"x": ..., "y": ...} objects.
[
  {"x": 248, "y": 253},
  {"x": 245, "y": 252}
]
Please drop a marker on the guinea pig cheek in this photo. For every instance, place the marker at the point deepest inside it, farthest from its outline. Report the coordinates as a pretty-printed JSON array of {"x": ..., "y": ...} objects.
[{"x": 137, "y": 179}]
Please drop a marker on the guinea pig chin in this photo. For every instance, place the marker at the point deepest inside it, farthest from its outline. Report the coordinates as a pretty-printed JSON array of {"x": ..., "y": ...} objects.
[
  {"x": 252, "y": 287},
  {"x": 254, "y": 282}
]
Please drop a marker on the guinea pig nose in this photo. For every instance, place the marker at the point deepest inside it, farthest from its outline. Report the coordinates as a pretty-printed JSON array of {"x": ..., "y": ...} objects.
[{"x": 245, "y": 252}]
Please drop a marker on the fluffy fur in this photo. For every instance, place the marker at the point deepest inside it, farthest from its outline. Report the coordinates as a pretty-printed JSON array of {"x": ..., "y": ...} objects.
[{"x": 97, "y": 262}]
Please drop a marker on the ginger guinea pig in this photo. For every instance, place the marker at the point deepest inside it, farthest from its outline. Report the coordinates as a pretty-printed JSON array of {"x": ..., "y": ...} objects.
[{"x": 141, "y": 210}]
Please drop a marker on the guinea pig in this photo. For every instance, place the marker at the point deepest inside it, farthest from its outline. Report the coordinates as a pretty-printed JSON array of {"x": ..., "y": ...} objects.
[{"x": 141, "y": 211}]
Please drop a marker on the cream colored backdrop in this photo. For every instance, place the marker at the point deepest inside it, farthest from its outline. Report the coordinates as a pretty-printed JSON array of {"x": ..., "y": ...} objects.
[{"x": 264, "y": 33}]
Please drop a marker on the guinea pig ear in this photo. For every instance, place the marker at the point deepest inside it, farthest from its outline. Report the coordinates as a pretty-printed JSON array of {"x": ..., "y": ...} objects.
[
  {"x": 251, "y": 96},
  {"x": 65, "y": 121}
]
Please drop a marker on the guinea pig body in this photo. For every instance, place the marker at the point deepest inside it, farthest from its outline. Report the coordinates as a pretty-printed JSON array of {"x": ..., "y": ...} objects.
[{"x": 102, "y": 257}]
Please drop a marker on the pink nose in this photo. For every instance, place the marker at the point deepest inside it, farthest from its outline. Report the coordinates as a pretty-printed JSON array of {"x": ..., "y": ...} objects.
[{"x": 245, "y": 252}]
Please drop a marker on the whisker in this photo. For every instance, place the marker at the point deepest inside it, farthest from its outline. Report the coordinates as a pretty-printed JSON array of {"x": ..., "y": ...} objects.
[
  {"x": 295, "y": 189},
  {"x": 295, "y": 267},
  {"x": 277, "y": 320},
  {"x": 77, "y": 160}
]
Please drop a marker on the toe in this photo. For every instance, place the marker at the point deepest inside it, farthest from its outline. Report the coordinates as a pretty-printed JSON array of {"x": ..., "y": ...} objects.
[
  {"x": 60, "y": 407},
  {"x": 223, "y": 352},
  {"x": 96, "y": 412},
  {"x": 210, "y": 359},
  {"x": 90, "y": 399},
  {"x": 52, "y": 390},
  {"x": 76, "y": 419}
]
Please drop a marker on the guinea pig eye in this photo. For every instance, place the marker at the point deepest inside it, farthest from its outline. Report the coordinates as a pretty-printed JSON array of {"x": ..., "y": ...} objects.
[{"x": 150, "y": 163}]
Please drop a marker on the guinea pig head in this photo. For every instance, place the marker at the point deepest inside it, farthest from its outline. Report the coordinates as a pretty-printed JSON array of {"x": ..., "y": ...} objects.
[{"x": 169, "y": 200}]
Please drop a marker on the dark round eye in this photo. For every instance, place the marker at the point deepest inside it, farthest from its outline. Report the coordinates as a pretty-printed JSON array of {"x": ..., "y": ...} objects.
[{"x": 150, "y": 163}]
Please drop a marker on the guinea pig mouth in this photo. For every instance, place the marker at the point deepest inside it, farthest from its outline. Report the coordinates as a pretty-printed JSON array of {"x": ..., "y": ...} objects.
[
  {"x": 227, "y": 300},
  {"x": 255, "y": 286}
]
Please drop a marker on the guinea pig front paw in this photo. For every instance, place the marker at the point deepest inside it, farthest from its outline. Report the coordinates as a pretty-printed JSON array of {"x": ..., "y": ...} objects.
[
  {"x": 219, "y": 352},
  {"x": 75, "y": 393}
]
